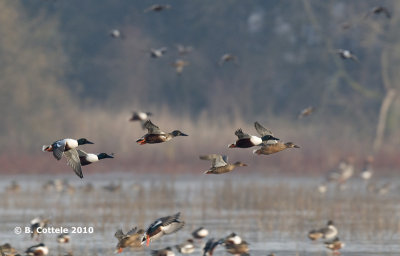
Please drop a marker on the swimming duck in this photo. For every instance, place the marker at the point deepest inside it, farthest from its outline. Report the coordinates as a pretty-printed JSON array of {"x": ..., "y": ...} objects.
[
  {"x": 88, "y": 158},
  {"x": 306, "y": 112},
  {"x": 219, "y": 164},
  {"x": 162, "y": 226},
  {"x": 67, "y": 148},
  {"x": 269, "y": 149},
  {"x": 155, "y": 135},
  {"x": 246, "y": 141},
  {"x": 63, "y": 238},
  {"x": 238, "y": 249},
  {"x": 179, "y": 65},
  {"x": 158, "y": 53},
  {"x": 183, "y": 50},
  {"x": 367, "y": 171},
  {"x": 227, "y": 57},
  {"x": 37, "y": 250},
  {"x": 132, "y": 238},
  {"x": 186, "y": 247},
  {"x": 163, "y": 252},
  {"x": 140, "y": 116},
  {"x": 378, "y": 10},
  {"x": 346, "y": 54},
  {"x": 157, "y": 8},
  {"x": 335, "y": 245},
  {"x": 37, "y": 223},
  {"x": 210, "y": 246},
  {"x": 200, "y": 233}
]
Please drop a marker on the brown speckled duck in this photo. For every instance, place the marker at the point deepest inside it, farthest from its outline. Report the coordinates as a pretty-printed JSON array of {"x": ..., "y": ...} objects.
[
  {"x": 219, "y": 164},
  {"x": 155, "y": 135}
]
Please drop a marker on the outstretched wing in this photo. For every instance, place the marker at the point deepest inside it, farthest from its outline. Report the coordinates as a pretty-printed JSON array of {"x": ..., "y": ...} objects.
[
  {"x": 119, "y": 234},
  {"x": 241, "y": 135},
  {"x": 262, "y": 130},
  {"x": 152, "y": 128},
  {"x": 217, "y": 160},
  {"x": 74, "y": 162},
  {"x": 132, "y": 231},
  {"x": 81, "y": 153},
  {"x": 169, "y": 219}
]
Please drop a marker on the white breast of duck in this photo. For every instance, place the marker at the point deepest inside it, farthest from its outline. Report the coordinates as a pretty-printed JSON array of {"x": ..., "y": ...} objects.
[
  {"x": 255, "y": 140},
  {"x": 142, "y": 115},
  {"x": 331, "y": 233},
  {"x": 70, "y": 143},
  {"x": 202, "y": 232},
  {"x": 91, "y": 158}
]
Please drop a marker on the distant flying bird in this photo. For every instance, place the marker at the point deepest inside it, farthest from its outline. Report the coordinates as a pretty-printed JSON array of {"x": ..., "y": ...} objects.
[
  {"x": 140, "y": 116},
  {"x": 162, "y": 226},
  {"x": 157, "y": 8},
  {"x": 115, "y": 33},
  {"x": 183, "y": 50},
  {"x": 379, "y": 10},
  {"x": 132, "y": 239},
  {"x": 88, "y": 158},
  {"x": 346, "y": 54},
  {"x": 246, "y": 141},
  {"x": 179, "y": 65},
  {"x": 268, "y": 149},
  {"x": 227, "y": 57},
  {"x": 67, "y": 148},
  {"x": 155, "y": 135},
  {"x": 306, "y": 112},
  {"x": 158, "y": 53},
  {"x": 219, "y": 164}
]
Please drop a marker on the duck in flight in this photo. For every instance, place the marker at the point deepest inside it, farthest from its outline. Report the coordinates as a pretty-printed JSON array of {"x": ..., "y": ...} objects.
[
  {"x": 88, "y": 158},
  {"x": 246, "y": 141},
  {"x": 155, "y": 135},
  {"x": 131, "y": 239},
  {"x": 162, "y": 226},
  {"x": 220, "y": 164}
]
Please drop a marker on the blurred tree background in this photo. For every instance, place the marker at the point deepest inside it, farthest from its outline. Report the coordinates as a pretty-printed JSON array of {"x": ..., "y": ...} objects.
[{"x": 62, "y": 75}]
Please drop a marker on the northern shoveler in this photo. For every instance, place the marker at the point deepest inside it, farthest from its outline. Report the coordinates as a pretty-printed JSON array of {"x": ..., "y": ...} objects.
[
  {"x": 116, "y": 33},
  {"x": 306, "y": 112},
  {"x": 132, "y": 239},
  {"x": 89, "y": 158},
  {"x": 238, "y": 249},
  {"x": 140, "y": 116},
  {"x": 227, "y": 57},
  {"x": 63, "y": 238},
  {"x": 157, "y": 8},
  {"x": 219, "y": 164},
  {"x": 233, "y": 238},
  {"x": 200, "y": 233},
  {"x": 367, "y": 170},
  {"x": 246, "y": 141},
  {"x": 335, "y": 245},
  {"x": 268, "y": 149},
  {"x": 346, "y": 54},
  {"x": 378, "y": 10},
  {"x": 186, "y": 247},
  {"x": 155, "y": 135},
  {"x": 7, "y": 249},
  {"x": 315, "y": 234},
  {"x": 328, "y": 233},
  {"x": 67, "y": 148},
  {"x": 162, "y": 226},
  {"x": 179, "y": 65},
  {"x": 37, "y": 223},
  {"x": 37, "y": 250},
  {"x": 210, "y": 246},
  {"x": 158, "y": 53},
  {"x": 167, "y": 251}
]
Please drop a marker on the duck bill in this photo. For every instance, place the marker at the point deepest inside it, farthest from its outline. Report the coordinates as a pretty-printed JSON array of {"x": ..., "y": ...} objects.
[
  {"x": 89, "y": 142},
  {"x": 232, "y": 146},
  {"x": 147, "y": 240},
  {"x": 120, "y": 250},
  {"x": 183, "y": 134},
  {"x": 296, "y": 146}
]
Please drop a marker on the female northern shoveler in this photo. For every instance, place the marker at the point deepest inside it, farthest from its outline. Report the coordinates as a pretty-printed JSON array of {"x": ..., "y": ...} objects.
[
  {"x": 163, "y": 252},
  {"x": 131, "y": 239},
  {"x": 63, "y": 238},
  {"x": 140, "y": 116},
  {"x": 219, "y": 164},
  {"x": 186, "y": 247},
  {"x": 210, "y": 246},
  {"x": 67, "y": 148},
  {"x": 88, "y": 158},
  {"x": 155, "y": 135},
  {"x": 162, "y": 226},
  {"x": 335, "y": 245},
  {"x": 37, "y": 250},
  {"x": 246, "y": 141},
  {"x": 268, "y": 149},
  {"x": 200, "y": 233}
]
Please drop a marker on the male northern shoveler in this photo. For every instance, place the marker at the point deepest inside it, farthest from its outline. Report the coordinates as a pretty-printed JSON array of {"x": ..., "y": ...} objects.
[
  {"x": 210, "y": 246},
  {"x": 162, "y": 226},
  {"x": 67, "y": 148},
  {"x": 268, "y": 149},
  {"x": 140, "y": 116},
  {"x": 157, "y": 8},
  {"x": 246, "y": 141},
  {"x": 219, "y": 164},
  {"x": 200, "y": 233},
  {"x": 131, "y": 239},
  {"x": 186, "y": 247},
  {"x": 335, "y": 245},
  {"x": 155, "y": 135},
  {"x": 63, "y": 238},
  {"x": 37, "y": 250},
  {"x": 88, "y": 158},
  {"x": 346, "y": 54},
  {"x": 167, "y": 251},
  {"x": 328, "y": 233},
  {"x": 37, "y": 223}
]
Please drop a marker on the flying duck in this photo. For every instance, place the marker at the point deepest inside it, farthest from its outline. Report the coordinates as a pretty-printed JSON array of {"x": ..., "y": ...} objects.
[
  {"x": 183, "y": 50},
  {"x": 155, "y": 135},
  {"x": 37, "y": 250},
  {"x": 157, "y": 8},
  {"x": 219, "y": 164},
  {"x": 306, "y": 112},
  {"x": 163, "y": 252},
  {"x": 246, "y": 141},
  {"x": 132, "y": 238},
  {"x": 158, "y": 53},
  {"x": 186, "y": 247},
  {"x": 210, "y": 246},
  {"x": 88, "y": 158},
  {"x": 162, "y": 226},
  {"x": 346, "y": 54},
  {"x": 379, "y": 10},
  {"x": 179, "y": 65},
  {"x": 140, "y": 116},
  {"x": 268, "y": 149},
  {"x": 227, "y": 57},
  {"x": 115, "y": 33},
  {"x": 200, "y": 233},
  {"x": 67, "y": 148}
]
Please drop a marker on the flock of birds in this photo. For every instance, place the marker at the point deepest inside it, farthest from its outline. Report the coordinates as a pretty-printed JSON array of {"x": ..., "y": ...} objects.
[{"x": 267, "y": 144}]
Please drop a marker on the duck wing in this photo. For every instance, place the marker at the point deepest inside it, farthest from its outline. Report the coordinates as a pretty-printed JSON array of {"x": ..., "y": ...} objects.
[
  {"x": 132, "y": 231},
  {"x": 262, "y": 130},
  {"x": 241, "y": 135},
  {"x": 58, "y": 148},
  {"x": 217, "y": 160},
  {"x": 152, "y": 128},
  {"x": 81, "y": 153},
  {"x": 119, "y": 234},
  {"x": 74, "y": 162}
]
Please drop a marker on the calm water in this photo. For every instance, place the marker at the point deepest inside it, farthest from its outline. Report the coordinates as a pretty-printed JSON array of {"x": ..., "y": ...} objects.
[{"x": 277, "y": 221}]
